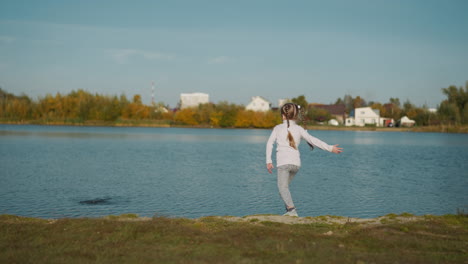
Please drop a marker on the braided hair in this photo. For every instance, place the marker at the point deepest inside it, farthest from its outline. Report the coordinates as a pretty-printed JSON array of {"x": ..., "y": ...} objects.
[
  {"x": 293, "y": 111},
  {"x": 290, "y": 111}
]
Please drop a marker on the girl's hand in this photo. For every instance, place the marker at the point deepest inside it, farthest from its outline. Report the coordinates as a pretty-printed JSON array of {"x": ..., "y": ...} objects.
[
  {"x": 336, "y": 149},
  {"x": 270, "y": 167}
]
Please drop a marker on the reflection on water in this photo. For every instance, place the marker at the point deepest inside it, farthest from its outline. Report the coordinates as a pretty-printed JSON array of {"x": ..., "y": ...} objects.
[
  {"x": 143, "y": 135},
  {"x": 48, "y": 171}
]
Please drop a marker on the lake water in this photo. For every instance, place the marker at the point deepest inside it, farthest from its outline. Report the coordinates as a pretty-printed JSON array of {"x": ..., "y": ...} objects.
[{"x": 46, "y": 171}]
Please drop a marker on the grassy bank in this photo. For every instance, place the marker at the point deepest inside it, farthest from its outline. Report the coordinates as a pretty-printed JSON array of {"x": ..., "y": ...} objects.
[
  {"x": 434, "y": 129},
  {"x": 166, "y": 123},
  {"x": 254, "y": 239}
]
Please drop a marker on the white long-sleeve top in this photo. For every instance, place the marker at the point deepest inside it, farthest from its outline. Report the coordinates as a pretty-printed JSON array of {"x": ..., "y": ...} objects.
[{"x": 285, "y": 154}]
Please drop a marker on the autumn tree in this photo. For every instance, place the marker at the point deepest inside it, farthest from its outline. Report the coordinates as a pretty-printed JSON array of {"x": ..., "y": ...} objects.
[
  {"x": 186, "y": 116},
  {"x": 215, "y": 118},
  {"x": 19, "y": 108},
  {"x": 380, "y": 107},
  {"x": 244, "y": 118},
  {"x": 350, "y": 102},
  {"x": 359, "y": 102},
  {"x": 203, "y": 113},
  {"x": 392, "y": 109},
  {"x": 136, "y": 109}
]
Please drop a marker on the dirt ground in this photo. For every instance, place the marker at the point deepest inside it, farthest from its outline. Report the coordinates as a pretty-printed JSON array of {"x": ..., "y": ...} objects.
[
  {"x": 327, "y": 219},
  {"x": 322, "y": 219}
]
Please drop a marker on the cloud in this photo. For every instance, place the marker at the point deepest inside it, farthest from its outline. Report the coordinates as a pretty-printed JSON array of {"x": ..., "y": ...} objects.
[
  {"x": 122, "y": 56},
  {"x": 219, "y": 60},
  {"x": 6, "y": 39}
]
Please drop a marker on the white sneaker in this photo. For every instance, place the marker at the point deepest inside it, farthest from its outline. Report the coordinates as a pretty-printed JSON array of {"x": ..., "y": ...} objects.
[{"x": 292, "y": 212}]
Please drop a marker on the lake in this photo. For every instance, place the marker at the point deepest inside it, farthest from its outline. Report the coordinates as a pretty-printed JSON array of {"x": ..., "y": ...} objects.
[{"x": 51, "y": 171}]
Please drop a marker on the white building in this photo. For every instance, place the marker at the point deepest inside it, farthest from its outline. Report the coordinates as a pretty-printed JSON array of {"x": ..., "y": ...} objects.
[
  {"x": 193, "y": 99},
  {"x": 365, "y": 116},
  {"x": 282, "y": 102},
  {"x": 258, "y": 103}
]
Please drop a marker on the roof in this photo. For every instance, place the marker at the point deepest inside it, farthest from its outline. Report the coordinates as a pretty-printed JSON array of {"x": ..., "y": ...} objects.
[
  {"x": 259, "y": 97},
  {"x": 338, "y": 109},
  {"x": 194, "y": 94}
]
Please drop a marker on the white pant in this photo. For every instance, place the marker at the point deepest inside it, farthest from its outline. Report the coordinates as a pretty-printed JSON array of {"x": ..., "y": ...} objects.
[{"x": 285, "y": 175}]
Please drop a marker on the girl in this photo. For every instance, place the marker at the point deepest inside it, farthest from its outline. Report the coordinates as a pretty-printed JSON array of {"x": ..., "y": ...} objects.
[{"x": 287, "y": 137}]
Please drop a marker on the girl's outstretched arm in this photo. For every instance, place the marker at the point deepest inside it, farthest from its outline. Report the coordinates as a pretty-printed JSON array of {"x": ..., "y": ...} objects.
[{"x": 336, "y": 149}]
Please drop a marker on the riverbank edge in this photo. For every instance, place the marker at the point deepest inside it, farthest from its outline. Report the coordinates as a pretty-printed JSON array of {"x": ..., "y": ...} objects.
[
  {"x": 261, "y": 218},
  {"x": 128, "y": 238},
  {"x": 427, "y": 129}
]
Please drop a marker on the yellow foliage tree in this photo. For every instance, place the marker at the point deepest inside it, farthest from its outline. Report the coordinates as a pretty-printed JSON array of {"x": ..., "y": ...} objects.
[
  {"x": 244, "y": 119},
  {"x": 215, "y": 118},
  {"x": 186, "y": 116}
]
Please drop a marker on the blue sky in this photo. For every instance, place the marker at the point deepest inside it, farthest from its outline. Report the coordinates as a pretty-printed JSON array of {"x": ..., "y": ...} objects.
[{"x": 234, "y": 50}]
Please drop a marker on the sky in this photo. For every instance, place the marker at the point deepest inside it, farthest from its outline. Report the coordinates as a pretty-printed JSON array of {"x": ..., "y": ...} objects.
[{"x": 234, "y": 50}]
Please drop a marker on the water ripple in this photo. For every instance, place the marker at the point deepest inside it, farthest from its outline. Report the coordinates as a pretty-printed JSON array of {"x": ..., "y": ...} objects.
[{"x": 47, "y": 171}]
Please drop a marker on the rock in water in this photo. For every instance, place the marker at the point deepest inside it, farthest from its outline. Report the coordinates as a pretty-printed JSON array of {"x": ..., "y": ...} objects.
[{"x": 95, "y": 201}]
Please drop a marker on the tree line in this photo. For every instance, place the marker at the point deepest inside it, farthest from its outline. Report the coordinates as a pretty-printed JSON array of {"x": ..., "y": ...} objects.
[{"x": 79, "y": 107}]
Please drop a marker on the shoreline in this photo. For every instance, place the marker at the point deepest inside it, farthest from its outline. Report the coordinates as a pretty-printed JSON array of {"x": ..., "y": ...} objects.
[
  {"x": 127, "y": 238},
  {"x": 260, "y": 218},
  {"x": 425, "y": 129}
]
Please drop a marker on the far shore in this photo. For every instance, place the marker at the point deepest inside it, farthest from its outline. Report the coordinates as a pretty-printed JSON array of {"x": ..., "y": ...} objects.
[{"x": 149, "y": 123}]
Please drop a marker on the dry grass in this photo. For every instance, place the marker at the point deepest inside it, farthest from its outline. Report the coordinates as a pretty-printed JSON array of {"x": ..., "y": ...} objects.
[{"x": 129, "y": 239}]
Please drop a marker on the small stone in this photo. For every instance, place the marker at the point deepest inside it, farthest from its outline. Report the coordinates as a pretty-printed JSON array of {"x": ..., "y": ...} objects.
[
  {"x": 341, "y": 246},
  {"x": 329, "y": 233}
]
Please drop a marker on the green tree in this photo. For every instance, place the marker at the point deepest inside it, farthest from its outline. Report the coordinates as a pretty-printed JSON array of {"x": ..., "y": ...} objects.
[
  {"x": 348, "y": 102},
  {"x": 453, "y": 108},
  {"x": 229, "y": 113},
  {"x": 449, "y": 113},
  {"x": 395, "y": 101},
  {"x": 300, "y": 100},
  {"x": 319, "y": 115},
  {"x": 339, "y": 101}
]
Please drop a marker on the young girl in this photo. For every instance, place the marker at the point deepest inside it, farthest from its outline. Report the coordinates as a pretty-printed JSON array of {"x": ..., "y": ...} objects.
[{"x": 287, "y": 137}]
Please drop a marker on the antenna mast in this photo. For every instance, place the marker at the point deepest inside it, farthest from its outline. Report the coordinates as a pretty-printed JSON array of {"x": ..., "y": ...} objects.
[{"x": 152, "y": 93}]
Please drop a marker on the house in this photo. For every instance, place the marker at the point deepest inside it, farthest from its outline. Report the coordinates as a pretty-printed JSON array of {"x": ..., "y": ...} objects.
[
  {"x": 259, "y": 104},
  {"x": 364, "y": 116},
  {"x": 406, "y": 122},
  {"x": 188, "y": 100},
  {"x": 282, "y": 102},
  {"x": 337, "y": 111},
  {"x": 160, "y": 109}
]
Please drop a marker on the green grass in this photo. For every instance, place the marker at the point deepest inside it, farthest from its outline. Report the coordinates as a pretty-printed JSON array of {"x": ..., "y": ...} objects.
[{"x": 121, "y": 239}]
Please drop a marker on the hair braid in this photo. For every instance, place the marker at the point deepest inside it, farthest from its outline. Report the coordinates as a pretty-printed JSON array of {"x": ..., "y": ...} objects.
[{"x": 286, "y": 111}]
